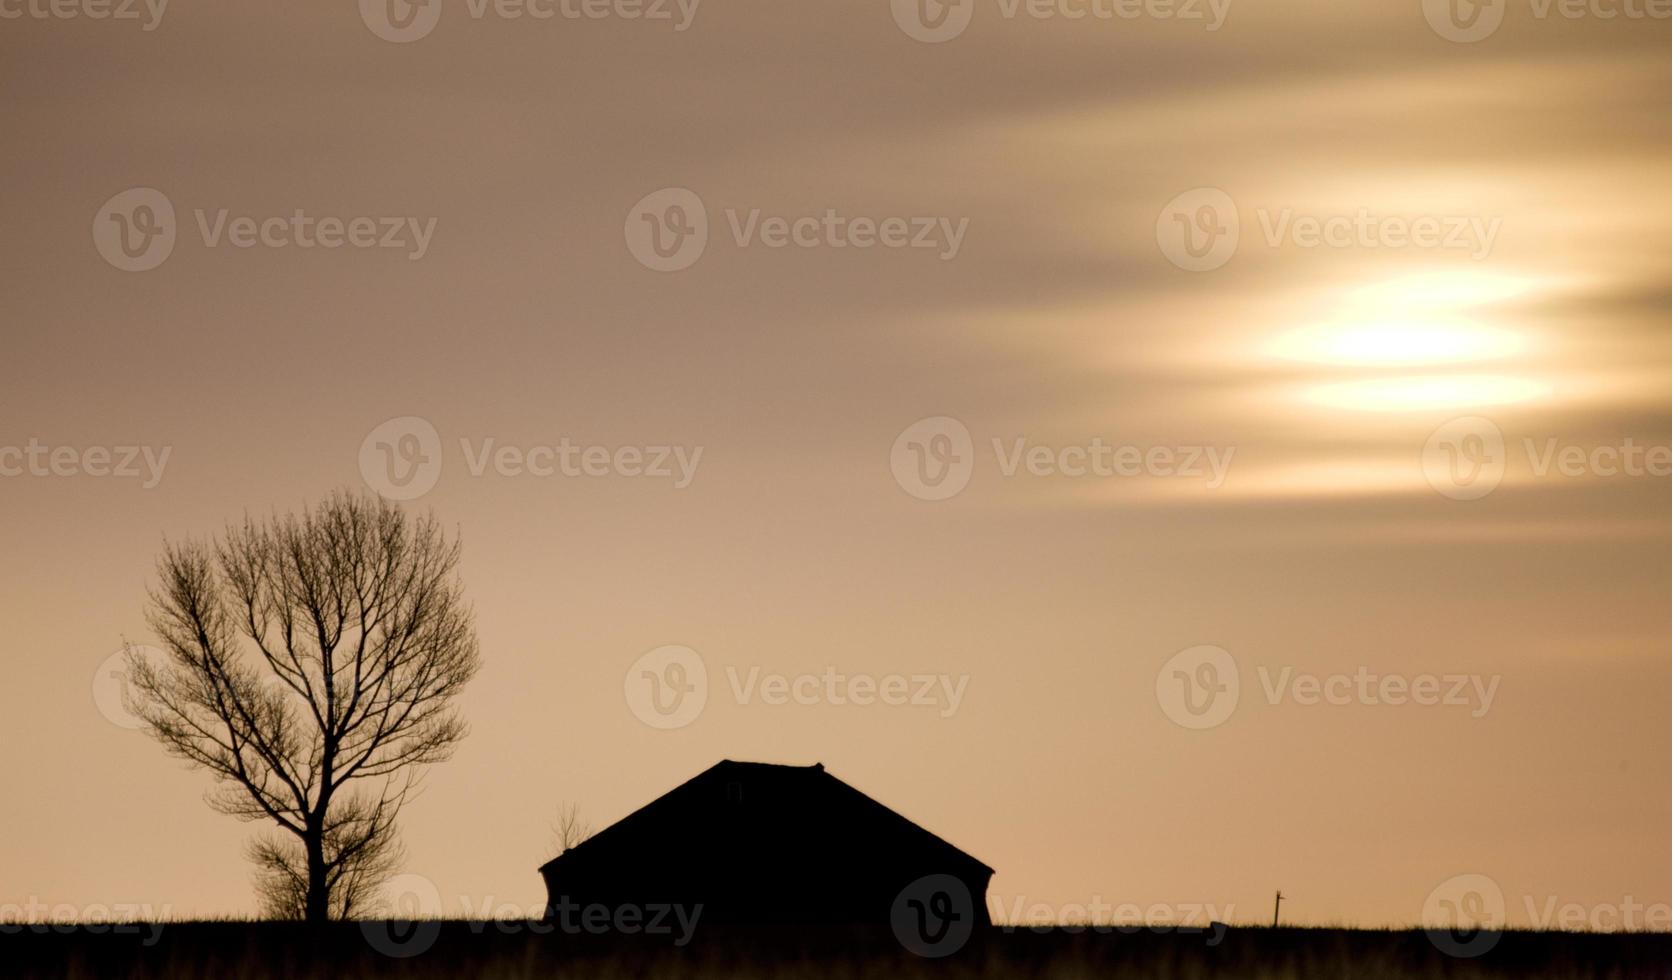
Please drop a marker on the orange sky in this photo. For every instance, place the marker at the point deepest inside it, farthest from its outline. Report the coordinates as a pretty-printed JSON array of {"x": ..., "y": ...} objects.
[{"x": 1323, "y": 357}]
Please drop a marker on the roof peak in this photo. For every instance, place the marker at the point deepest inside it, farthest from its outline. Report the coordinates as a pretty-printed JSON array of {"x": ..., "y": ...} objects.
[
  {"x": 794, "y": 781},
  {"x": 816, "y": 767}
]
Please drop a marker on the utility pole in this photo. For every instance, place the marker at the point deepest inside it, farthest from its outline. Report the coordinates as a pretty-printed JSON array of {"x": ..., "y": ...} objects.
[{"x": 1276, "y": 908}]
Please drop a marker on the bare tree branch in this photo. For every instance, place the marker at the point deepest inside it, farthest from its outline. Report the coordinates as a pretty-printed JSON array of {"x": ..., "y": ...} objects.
[{"x": 569, "y": 829}]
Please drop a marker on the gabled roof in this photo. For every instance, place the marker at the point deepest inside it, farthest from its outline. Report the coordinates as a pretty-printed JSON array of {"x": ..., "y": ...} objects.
[{"x": 806, "y": 798}]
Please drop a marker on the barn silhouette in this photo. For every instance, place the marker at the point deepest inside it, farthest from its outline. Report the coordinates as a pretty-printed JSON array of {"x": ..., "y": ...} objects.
[{"x": 759, "y": 843}]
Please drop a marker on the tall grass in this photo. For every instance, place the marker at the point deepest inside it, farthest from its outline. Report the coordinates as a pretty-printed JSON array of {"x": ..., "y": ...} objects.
[{"x": 221, "y": 950}]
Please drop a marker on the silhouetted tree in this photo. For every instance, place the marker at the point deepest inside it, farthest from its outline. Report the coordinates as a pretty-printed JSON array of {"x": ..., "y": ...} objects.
[
  {"x": 362, "y": 851},
  {"x": 569, "y": 829},
  {"x": 311, "y": 666}
]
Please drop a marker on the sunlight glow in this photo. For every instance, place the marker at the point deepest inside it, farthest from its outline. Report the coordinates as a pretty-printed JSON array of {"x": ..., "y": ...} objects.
[
  {"x": 1331, "y": 478},
  {"x": 1427, "y": 392},
  {"x": 1427, "y": 322},
  {"x": 1398, "y": 343},
  {"x": 1445, "y": 291}
]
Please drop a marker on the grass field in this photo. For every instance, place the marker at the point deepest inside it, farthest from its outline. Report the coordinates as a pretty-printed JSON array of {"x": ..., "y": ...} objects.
[{"x": 453, "y": 948}]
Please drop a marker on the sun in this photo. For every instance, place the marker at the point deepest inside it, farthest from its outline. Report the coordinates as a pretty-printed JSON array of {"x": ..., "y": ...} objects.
[
  {"x": 1416, "y": 344},
  {"x": 1428, "y": 392},
  {"x": 1402, "y": 343}
]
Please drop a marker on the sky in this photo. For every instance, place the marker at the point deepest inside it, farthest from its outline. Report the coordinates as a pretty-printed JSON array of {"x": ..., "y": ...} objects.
[{"x": 1251, "y": 420}]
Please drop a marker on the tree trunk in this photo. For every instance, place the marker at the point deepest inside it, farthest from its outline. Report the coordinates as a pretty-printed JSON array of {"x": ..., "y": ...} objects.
[{"x": 317, "y": 908}]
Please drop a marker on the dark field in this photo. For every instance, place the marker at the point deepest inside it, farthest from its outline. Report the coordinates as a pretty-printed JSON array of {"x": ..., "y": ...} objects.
[{"x": 486, "y": 949}]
